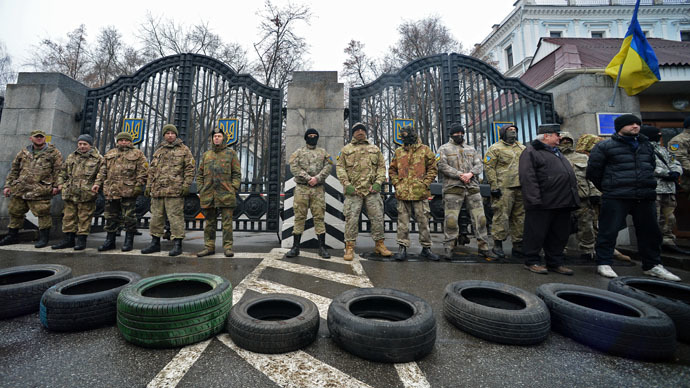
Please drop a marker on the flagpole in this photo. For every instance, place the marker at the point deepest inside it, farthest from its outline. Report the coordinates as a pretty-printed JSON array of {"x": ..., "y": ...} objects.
[{"x": 615, "y": 87}]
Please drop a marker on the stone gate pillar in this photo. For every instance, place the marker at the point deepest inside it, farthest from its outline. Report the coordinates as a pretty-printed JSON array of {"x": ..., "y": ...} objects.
[
  {"x": 315, "y": 100},
  {"x": 46, "y": 101}
]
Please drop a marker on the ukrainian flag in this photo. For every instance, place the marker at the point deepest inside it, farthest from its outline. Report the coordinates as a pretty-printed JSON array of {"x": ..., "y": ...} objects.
[{"x": 635, "y": 65}]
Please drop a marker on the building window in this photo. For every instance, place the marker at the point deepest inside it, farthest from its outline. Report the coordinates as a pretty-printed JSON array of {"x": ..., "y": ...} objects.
[
  {"x": 509, "y": 56},
  {"x": 555, "y": 34},
  {"x": 597, "y": 34},
  {"x": 685, "y": 36}
]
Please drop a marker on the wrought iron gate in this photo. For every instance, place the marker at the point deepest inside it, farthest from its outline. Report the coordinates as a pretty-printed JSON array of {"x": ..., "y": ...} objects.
[
  {"x": 439, "y": 90},
  {"x": 194, "y": 92}
]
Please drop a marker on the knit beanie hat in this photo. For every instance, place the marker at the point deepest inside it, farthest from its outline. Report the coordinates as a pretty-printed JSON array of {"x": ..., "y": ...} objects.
[
  {"x": 627, "y": 119},
  {"x": 455, "y": 128},
  {"x": 358, "y": 126},
  {"x": 123, "y": 135},
  {"x": 171, "y": 128},
  {"x": 86, "y": 137},
  {"x": 653, "y": 133}
]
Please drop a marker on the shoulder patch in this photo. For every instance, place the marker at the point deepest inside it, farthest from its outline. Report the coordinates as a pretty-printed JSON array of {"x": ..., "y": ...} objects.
[
  {"x": 487, "y": 158},
  {"x": 330, "y": 158},
  {"x": 438, "y": 156},
  {"x": 338, "y": 157},
  {"x": 674, "y": 146}
]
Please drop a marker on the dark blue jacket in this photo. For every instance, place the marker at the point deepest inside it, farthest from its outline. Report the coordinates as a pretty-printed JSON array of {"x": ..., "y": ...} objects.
[{"x": 620, "y": 171}]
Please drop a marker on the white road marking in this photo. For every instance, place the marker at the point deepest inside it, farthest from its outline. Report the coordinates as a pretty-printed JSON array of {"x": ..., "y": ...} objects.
[
  {"x": 268, "y": 287},
  {"x": 339, "y": 277},
  {"x": 411, "y": 376},
  {"x": 171, "y": 375}
]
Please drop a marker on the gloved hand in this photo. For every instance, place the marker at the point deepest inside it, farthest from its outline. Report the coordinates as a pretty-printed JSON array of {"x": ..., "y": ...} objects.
[
  {"x": 672, "y": 176},
  {"x": 349, "y": 190},
  {"x": 595, "y": 200},
  {"x": 185, "y": 191},
  {"x": 138, "y": 190},
  {"x": 376, "y": 187},
  {"x": 496, "y": 193}
]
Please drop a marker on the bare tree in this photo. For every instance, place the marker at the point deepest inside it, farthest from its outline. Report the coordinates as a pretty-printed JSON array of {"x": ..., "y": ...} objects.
[
  {"x": 358, "y": 68},
  {"x": 421, "y": 38},
  {"x": 70, "y": 58},
  {"x": 7, "y": 73}
]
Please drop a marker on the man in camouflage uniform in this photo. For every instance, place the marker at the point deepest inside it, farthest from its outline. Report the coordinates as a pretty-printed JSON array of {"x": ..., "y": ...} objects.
[
  {"x": 667, "y": 171},
  {"x": 361, "y": 170},
  {"x": 310, "y": 165},
  {"x": 501, "y": 164},
  {"x": 680, "y": 148},
  {"x": 170, "y": 176},
  {"x": 218, "y": 182},
  {"x": 75, "y": 182},
  {"x": 460, "y": 166},
  {"x": 123, "y": 179},
  {"x": 411, "y": 171},
  {"x": 30, "y": 184}
]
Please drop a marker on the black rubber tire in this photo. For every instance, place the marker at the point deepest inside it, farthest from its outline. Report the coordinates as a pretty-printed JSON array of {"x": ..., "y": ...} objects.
[
  {"x": 21, "y": 287},
  {"x": 382, "y": 325},
  {"x": 273, "y": 323},
  {"x": 673, "y": 298},
  {"x": 85, "y": 302},
  {"x": 497, "y": 312},
  {"x": 173, "y": 310},
  {"x": 610, "y": 322}
]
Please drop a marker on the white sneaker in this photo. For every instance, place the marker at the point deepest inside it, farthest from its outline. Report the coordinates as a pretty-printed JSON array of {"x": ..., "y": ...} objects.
[
  {"x": 606, "y": 271},
  {"x": 660, "y": 272}
]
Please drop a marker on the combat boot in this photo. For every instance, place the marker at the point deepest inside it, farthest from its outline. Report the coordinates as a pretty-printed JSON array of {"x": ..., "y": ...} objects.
[
  {"x": 43, "y": 235},
  {"x": 109, "y": 242},
  {"x": 154, "y": 246},
  {"x": 228, "y": 252},
  {"x": 206, "y": 252},
  {"x": 401, "y": 255},
  {"x": 80, "y": 244},
  {"x": 322, "y": 246},
  {"x": 426, "y": 252},
  {"x": 498, "y": 249},
  {"x": 177, "y": 247},
  {"x": 294, "y": 251},
  {"x": 349, "y": 251},
  {"x": 129, "y": 242},
  {"x": 484, "y": 251},
  {"x": 381, "y": 249},
  {"x": 11, "y": 238},
  {"x": 67, "y": 242}
]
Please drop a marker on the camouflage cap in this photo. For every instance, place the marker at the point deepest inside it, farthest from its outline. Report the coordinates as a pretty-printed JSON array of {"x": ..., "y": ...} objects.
[
  {"x": 123, "y": 135},
  {"x": 37, "y": 132},
  {"x": 171, "y": 128},
  {"x": 567, "y": 135},
  {"x": 359, "y": 126},
  {"x": 586, "y": 142}
]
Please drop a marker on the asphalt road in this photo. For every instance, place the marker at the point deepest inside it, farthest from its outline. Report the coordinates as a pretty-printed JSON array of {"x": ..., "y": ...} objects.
[{"x": 31, "y": 356}]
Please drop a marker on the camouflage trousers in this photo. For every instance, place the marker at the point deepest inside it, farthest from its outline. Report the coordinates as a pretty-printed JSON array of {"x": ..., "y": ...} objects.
[
  {"x": 452, "y": 204},
  {"x": 211, "y": 215},
  {"x": 509, "y": 214},
  {"x": 76, "y": 217},
  {"x": 586, "y": 235},
  {"x": 309, "y": 198},
  {"x": 352, "y": 209},
  {"x": 121, "y": 212},
  {"x": 421, "y": 211},
  {"x": 18, "y": 207},
  {"x": 665, "y": 206},
  {"x": 173, "y": 209}
]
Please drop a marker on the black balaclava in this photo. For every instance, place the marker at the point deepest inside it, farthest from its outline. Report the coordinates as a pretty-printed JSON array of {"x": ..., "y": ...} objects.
[
  {"x": 457, "y": 133},
  {"x": 411, "y": 137},
  {"x": 311, "y": 141},
  {"x": 508, "y": 137},
  {"x": 652, "y": 133}
]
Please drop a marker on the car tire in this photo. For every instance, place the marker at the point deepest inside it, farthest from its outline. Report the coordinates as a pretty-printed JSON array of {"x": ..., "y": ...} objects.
[
  {"x": 497, "y": 312},
  {"x": 85, "y": 302},
  {"x": 173, "y": 310},
  {"x": 21, "y": 287},
  {"x": 273, "y": 323},
  {"x": 672, "y": 298},
  {"x": 610, "y": 322},
  {"x": 382, "y": 325}
]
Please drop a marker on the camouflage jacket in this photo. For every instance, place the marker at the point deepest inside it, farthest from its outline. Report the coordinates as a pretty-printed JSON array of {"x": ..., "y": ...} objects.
[
  {"x": 361, "y": 164},
  {"x": 34, "y": 175},
  {"x": 456, "y": 159},
  {"x": 578, "y": 161},
  {"x": 79, "y": 174},
  {"x": 309, "y": 161},
  {"x": 125, "y": 169},
  {"x": 663, "y": 168},
  {"x": 219, "y": 177},
  {"x": 502, "y": 163},
  {"x": 171, "y": 170},
  {"x": 680, "y": 148},
  {"x": 412, "y": 170}
]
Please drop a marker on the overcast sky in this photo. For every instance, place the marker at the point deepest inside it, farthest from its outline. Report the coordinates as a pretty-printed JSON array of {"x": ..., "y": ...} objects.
[{"x": 23, "y": 23}]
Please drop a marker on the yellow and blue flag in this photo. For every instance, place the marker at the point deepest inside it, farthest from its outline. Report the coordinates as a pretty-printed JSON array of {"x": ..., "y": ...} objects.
[{"x": 635, "y": 66}]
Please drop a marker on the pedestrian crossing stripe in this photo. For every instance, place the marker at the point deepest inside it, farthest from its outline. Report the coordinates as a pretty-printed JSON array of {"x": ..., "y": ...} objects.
[{"x": 673, "y": 146}]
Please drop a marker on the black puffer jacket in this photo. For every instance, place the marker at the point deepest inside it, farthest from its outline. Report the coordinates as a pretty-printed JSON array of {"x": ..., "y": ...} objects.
[
  {"x": 548, "y": 182},
  {"x": 621, "y": 172}
]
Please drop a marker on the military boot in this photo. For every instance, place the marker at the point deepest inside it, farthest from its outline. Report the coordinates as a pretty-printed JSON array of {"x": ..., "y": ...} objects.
[
  {"x": 349, "y": 251},
  {"x": 381, "y": 249},
  {"x": 401, "y": 255},
  {"x": 109, "y": 242},
  {"x": 484, "y": 251},
  {"x": 426, "y": 252},
  {"x": 43, "y": 235},
  {"x": 177, "y": 247},
  {"x": 11, "y": 238},
  {"x": 228, "y": 252},
  {"x": 294, "y": 251},
  {"x": 154, "y": 246},
  {"x": 80, "y": 244},
  {"x": 323, "y": 252},
  {"x": 206, "y": 252},
  {"x": 498, "y": 249},
  {"x": 129, "y": 242},
  {"x": 67, "y": 242}
]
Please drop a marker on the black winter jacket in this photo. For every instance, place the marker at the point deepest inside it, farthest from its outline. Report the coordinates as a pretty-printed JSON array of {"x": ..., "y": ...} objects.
[
  {"x": 548, "y": 182},
  {"x": 621, "y": 172}
]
